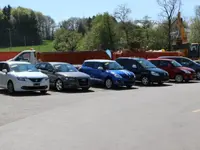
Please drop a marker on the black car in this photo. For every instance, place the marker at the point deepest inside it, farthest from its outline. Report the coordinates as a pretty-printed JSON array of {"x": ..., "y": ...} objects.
[
  {"x": 186, "y": 62},
  {"x": 145, "y": 71},
  {"x": 64, "y": 76}
]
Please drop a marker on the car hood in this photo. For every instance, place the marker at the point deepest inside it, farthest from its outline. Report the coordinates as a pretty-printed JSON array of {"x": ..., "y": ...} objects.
[
  {"x": 121, "y": 72},
  {"x": 157, "y": 70},
  {"x": 73, "y": 74},
  {"x": 186, "y": 68},
  {"x": 29, "y": 74}
]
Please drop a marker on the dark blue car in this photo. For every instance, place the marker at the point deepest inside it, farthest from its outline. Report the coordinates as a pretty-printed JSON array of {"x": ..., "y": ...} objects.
[{"x": 108, "y": 72}]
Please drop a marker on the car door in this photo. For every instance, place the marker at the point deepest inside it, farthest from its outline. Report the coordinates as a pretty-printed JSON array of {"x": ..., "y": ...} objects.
[
  {"x": 87, "y": 68},
  {"x": 4, "y": 76},
  {"x": 50, "y": 72},
  {"x": 1, "y": 74},
  {"x": 167, "y": 66},
  {"x": 97, "y": 74}
]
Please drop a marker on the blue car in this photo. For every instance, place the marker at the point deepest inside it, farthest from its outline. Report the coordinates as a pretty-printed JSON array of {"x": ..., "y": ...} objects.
[{"x": 108, "y": 72}]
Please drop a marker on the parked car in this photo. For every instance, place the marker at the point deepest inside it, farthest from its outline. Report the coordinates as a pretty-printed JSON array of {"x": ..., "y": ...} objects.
[
  {"x": 144, "y": 70},
  {"x": 108, "y": 72},
  {"x": 176, "y": 70},
  {"x": 186, "y": 62},
  {"x": 64, "y": 76},
  {"x": 22, "y": 76}
]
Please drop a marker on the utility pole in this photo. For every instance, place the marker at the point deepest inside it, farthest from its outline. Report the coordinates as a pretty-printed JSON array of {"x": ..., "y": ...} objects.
[{"x": 10, "y": 38}]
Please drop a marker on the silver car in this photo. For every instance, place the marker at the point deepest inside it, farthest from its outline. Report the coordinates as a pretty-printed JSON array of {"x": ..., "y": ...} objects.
[{"x": 64, "y": 76}]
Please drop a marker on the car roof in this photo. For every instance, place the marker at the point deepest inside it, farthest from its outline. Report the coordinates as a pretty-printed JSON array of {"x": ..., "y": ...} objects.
[
  {"x": 56, "y": 63},
  {"x": 161, "y": 59},
  {"x": 134, "y": 58},
  {"x": 171, "y": 57},
  {"x": 15, "y": 62},
  {"x": 99, "y": 60}
]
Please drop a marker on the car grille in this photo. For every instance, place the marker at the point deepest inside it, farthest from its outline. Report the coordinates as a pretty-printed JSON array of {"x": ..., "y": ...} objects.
[
  {"x": 83, "y": 82},
  {"x": 35, "y": 79}
]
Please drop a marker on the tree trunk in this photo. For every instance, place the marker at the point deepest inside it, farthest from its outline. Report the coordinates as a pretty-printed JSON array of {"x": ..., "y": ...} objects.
[{"x": 169, "y": 34}]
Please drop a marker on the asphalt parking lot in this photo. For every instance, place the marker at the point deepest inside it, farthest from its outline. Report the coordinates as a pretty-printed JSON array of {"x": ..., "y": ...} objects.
[{"x": 161, "y": 118}]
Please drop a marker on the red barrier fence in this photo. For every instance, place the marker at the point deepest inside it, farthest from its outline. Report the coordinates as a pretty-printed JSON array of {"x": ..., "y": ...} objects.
[
  {"x": 79, "y": 57},
  {"x": 7, "y": 55}
]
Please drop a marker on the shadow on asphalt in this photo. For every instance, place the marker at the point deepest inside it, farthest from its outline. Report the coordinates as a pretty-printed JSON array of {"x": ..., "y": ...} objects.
[
  {"x": 73, "y": 91},
  {"x": 23, "y": 94},
  {"x": 115, "y": 88},
  {"x": 190, "y": 82},
  {"x": 153, "y": 85}
]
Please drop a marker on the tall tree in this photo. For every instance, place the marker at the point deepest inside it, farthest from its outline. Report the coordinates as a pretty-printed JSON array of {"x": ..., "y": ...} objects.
[{"x": 170, "y": 9}]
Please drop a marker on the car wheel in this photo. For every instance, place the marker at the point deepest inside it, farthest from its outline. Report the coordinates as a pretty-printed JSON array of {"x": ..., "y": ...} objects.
[
  {"x": 145, "y": 80},
  {"x": 198, "y": 75},
  {"x": 85, "y": 89},
  {"x": 179, "y": 78},
  {"x": 108, "y": 83},
  {"x": 10, "y": 87},
  {"x": 129, "y": 86},
  {"x": 43, "y": 92},
  {"x": 59, "y": 85}
]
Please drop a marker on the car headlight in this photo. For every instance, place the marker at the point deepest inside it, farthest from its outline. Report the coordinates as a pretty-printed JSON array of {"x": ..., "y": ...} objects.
[
  {"x": 70, "y": 79},
  {"x": 154, "y": 73},
  {"x": 46, "y": 78},
  {"x": 117, "y": 75},
  {"x": 186, "y": 71},
  {"x": 21, "y": 78}
]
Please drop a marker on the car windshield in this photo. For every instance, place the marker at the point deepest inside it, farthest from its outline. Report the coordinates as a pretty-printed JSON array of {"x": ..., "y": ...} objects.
[
  {"x": 112, "y": 66},
  {"x": 176, "y": 64},
  {"x": 23, "y": 68},
  {"x": 146, "y": 64},
  {"x": 65, "y": 68}
]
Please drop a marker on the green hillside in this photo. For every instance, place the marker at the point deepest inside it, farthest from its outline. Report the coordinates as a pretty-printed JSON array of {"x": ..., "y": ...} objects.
[{"x": 47, "y": 46}]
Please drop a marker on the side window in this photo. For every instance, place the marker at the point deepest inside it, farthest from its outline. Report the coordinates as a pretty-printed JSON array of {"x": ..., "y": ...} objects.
[
  {"x": 89, "y": 64},
  {"x": 23, "y": 57},
  {"x": 97, "y": 65},
  {"x": 131, "y": 65},
  {"x": 186, "y": 62},
  {"x": 164, "y": 63},
  {"x": 155, "y": 62},
  {"x": 1, "y": 66},
  {"x": 5, "y": 66},
  {"x": 42, "y": 66},
  {"x": 49, "y": 67}
]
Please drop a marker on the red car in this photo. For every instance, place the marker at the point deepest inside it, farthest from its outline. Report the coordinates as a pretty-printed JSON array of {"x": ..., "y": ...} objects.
[{"x": 176, "y": 70}]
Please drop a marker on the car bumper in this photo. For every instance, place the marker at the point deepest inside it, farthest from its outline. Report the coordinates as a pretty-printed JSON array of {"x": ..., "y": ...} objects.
[
  {"x": 124, "y": 82},
  {"x": 30, "y": 86},
  {"x": 189, "y": 76},
  {"x": 159, "y": 79},
  {"x": 77, "y": 84}
]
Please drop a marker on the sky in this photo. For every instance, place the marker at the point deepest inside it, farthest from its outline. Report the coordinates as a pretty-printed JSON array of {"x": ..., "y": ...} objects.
[{"x": 63, "y": 9}]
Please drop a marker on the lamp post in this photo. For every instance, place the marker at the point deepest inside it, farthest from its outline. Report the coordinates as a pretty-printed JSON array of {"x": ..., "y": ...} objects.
[{"x": 10, "y": 38}]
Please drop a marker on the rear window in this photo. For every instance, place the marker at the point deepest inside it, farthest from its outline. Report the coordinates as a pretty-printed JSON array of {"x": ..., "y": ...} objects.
[{"x": 89, "y": 64}]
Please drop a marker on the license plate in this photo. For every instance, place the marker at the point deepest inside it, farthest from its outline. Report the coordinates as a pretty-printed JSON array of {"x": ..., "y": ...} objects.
[{"x": 36, "y": 84}]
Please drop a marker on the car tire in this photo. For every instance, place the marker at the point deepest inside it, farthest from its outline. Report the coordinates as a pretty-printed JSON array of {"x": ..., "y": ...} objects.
[
  {"x": 10, "y": 87},
  {"x": 198, "y": 75},
  {"x": 145, "y": 81},
  {"x": 59, "y": 85},
  {"x": 43, "y": 92},
  {"x": 85, "y": 89},
  {"x": 129, "y": 86},
  {"x": 179, "y": 78},
  {"x": 108, "y": 83}
]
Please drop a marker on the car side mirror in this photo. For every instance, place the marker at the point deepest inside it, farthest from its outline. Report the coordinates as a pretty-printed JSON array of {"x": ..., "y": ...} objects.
[
  {"x": 134, "y": 66},
  {"x": 5, "y": 71},
  {"x": 100, "y": 68}
]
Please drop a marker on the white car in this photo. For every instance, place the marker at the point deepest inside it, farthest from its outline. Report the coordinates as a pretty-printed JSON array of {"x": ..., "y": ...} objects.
[{"x": 22, "y": 76}]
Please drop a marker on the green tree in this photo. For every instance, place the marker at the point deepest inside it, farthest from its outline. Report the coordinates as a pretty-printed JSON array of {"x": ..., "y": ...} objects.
[{"x": 66, "y": 40}]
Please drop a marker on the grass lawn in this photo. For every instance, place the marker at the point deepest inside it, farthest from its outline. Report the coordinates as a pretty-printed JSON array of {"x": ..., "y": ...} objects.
[{"x": 47, "y": 46}]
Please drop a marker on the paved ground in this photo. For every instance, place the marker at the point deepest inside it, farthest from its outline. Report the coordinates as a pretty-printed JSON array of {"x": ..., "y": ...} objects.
[{"x": 145, "y": 118}]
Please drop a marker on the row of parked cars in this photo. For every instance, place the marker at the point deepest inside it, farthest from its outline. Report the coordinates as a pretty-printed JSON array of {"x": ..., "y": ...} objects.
[{"x": 23, "y": 76}]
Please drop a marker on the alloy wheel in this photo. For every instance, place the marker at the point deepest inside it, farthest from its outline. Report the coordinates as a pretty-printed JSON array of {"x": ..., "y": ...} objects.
[{"x": 59, "y": 85}]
